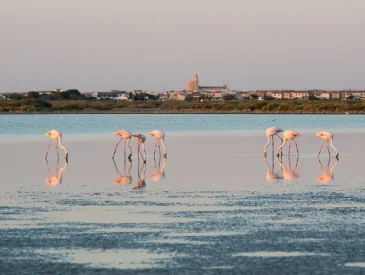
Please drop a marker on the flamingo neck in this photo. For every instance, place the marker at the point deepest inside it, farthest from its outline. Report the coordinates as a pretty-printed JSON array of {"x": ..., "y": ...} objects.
[
  {"x": 267, "y": 144},
  {"x": 331, "y": 141},
  {"x": 281, "y": 146},
  {"x": 61, "y": 146}
]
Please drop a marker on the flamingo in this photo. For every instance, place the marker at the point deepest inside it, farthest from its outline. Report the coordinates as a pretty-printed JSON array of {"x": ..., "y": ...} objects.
[
  {"x": 140, "y": 142},
  {"x": 57, "y": 179},
  {"x": 126, "y": 178},
  {"x": 126, "y": 135},
  {"x": 271, "y": 132},
  {"x": 160, "y": 137},
  {"x": 289, "y": 135},
  {"x": 327, "y": 137},
  {"x": 56, "y": 135},
  {"x": 327, "y": 175}
]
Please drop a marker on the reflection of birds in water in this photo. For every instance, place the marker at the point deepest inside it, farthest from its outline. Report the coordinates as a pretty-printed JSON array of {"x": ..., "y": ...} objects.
[
  {"x": 159, "y": 174},
  {"x": 327, "y": 137},
  {"x": 126, "y": 136},
  {"x": 270, "y": 175},
  {"x": 57, "y": 178},
  {"x": 126, "y": 177},
  {"x": 327, "y": 175},
  {"x": 141, "y": 183},
  {"x": 289, "y": 135},
  {"x": 291, "y": 173},
  {"x": 270, "y": 133}
]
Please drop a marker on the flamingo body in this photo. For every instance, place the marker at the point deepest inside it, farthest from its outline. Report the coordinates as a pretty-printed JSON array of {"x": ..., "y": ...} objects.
[
  {"x": 327, "y": 137},
  {"x": 126, "y": 136},
  {"x": 160, "y": 138},
  {"x": 57, "y": 136},
  {"x": 270, "y": 133},
  {"x": 140, "y": 138},
  {"x": 289, "y": 135}
]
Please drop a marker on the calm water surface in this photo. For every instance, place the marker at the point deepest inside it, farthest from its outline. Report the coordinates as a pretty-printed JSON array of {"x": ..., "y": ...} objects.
[{"x": 215, "y": 206}]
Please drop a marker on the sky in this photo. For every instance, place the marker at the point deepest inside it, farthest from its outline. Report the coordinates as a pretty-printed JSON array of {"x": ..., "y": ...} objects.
[{"x": 95, "y": 45}]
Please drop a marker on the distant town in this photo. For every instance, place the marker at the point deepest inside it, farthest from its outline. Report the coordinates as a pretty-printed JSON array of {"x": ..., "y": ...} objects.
[{"x": 193, "y": 92}]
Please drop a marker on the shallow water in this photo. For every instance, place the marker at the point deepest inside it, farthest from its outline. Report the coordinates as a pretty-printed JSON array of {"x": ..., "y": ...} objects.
[{"x": 214, "y": 206}]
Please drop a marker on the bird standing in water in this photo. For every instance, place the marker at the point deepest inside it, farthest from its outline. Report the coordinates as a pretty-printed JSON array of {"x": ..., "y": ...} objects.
[
  {"x": 140, "y": 142},
  {"x": 271, "y": 132},
  {"x": 56, "y": 135},
  {"x": 289, "y": 135},
  {"x": 160, "y": 138},
  {"x": 126, "y": 136},
  {"x": 327, "y": 137}
]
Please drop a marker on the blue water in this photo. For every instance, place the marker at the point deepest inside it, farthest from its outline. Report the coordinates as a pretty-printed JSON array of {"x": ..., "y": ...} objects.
[{"x": 100, "y": 124}]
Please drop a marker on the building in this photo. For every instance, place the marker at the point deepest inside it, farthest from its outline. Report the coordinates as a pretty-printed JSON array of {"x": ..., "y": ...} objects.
[
  {"x": 193, "y": 85},
  {"x": 2, "y": 97},
  {"x": 277, "y": 95},
  {"x": 112, "y": 95}
]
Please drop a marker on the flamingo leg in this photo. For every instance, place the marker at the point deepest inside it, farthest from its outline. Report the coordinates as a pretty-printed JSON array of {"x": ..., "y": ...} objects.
[
  {"x": 159, "y": 146},
  {"x": 321, "y": 147},
  {"x": 116, "y": 146},
  {"x": 125, "y": 147},
  {"x": 49, "y": 145},
  {"x": 328, "y": 148},
  {"x": 58, "y": 155},
  {"x": 289, "y": 146},
  {"x": 130, "y": 148},
  {"x": 296, "y": 145},
  {"x": 154, "y": 152},
  {"x": 144, "y": 150}
]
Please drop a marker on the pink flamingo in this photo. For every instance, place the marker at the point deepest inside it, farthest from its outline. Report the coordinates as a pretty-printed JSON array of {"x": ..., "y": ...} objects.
[
  {"x": 289, "y": 135},
  {"x": 327, "y": 137},
  {"x": 271, "y": 132},
  {"x": 160, "y": 138},
  {"x": 56, "y": 135},
  {"x": 140, "y": 142},
  {"x": 126, "y": 135}
]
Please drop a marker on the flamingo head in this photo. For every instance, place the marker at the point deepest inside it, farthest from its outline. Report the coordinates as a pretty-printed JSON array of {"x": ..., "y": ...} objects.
[
  {"x": 48, "y": 134},
  {"x": 117, "y": 133},
  {"x": 320, "y": 134},
  {"x": 152, "y": 134}
]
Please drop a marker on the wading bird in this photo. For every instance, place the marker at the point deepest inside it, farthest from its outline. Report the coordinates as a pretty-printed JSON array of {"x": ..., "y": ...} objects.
[
  {"x": 271, "y": 132},
  {"x": 126, "y": 136},
  {"x": 160, "y": 138},
  {"x": 289, "y": 135},
  {"x": 57, "y": 136},
  {"x": 327, "y": 137},
  {"x": 140, "y": 142}
]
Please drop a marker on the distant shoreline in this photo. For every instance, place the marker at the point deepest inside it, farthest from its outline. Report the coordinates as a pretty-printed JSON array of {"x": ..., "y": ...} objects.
[{"x": 252, "y": 107}]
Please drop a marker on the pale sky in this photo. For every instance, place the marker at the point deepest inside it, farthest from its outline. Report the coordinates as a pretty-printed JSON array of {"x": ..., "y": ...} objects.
[{"x": 160, "y": 44}]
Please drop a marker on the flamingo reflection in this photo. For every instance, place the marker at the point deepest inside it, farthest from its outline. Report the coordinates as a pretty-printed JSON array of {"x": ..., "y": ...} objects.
[
  {"x": 141, "y": 183},
  {"x": 159, "y": 174},
  {"x": 291, "y": 173},
  {"x": 327, "y": 175},
  {"x": 56, "y": 178},
  {"x": 126, "y": 177},
  {"x": 270, "y": 175}
]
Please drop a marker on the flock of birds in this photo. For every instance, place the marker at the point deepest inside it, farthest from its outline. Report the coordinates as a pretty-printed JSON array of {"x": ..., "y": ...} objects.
[
  {"x": 290, "y": 135},
  {"x": 123, "y": 135}
]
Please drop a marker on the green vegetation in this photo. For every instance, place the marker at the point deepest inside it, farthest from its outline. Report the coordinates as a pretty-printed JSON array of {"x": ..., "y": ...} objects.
[{"x": 36, "y": 104}]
